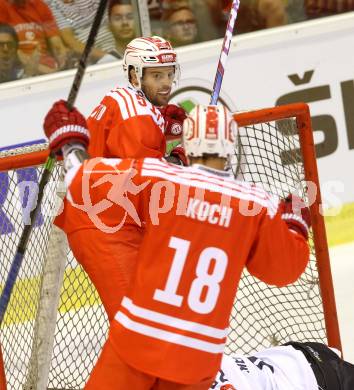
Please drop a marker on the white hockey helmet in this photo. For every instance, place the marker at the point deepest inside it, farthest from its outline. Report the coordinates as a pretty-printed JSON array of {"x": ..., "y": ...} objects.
[
  {"x": 209, "y": 130},
  {"x": 150, "y": 52}
]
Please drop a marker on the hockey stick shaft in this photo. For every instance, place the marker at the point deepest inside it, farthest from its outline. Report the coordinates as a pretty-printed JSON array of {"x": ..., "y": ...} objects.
[
  {"x": 48, "y": 167},
  {"x": 224, "y": 52},
  {"x": 83, "y": 60}
]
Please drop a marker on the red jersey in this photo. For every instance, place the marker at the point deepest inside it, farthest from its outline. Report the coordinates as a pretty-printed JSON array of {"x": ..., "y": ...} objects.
[
  {"x": 126, "y": 125},
  {"x": 84, "y": 207},
  {"x": 201, "y": 229},
  {"x": 33, "y": 21}
]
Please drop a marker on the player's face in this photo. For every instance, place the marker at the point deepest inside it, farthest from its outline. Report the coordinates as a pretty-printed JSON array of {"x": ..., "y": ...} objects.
[
  {"x": 157, "y": 84},
  {"x": 122, "y": 22}
]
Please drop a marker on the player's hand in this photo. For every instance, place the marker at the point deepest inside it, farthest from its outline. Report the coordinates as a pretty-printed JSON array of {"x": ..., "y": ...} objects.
[
  {"x": 63, "y": 127},
  {"x": 178, "y": 156},
  {"x": 296, "y": 214},
  {"x": 174, "y": 117}
]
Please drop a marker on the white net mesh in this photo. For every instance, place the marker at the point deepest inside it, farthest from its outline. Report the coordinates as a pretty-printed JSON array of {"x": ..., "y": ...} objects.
[
  {"x": 262, "y": 315},
  {"x": 269, "y": 154}
]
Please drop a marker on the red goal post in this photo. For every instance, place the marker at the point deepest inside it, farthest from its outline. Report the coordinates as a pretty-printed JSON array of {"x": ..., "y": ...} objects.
[
  {"x": 303, "y": 120},
  {"x": 275, "y": 149}
]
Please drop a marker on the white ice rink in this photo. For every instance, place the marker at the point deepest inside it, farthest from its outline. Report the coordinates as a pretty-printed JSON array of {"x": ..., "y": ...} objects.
[{"x": 342, "y": 262}]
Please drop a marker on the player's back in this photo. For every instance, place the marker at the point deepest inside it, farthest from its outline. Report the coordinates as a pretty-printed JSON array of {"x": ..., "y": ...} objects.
[{"x": 199, "y": 235}]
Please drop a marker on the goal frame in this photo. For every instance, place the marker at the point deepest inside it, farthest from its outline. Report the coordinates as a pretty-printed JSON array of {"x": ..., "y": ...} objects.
[{"x": 301, "y": 113}]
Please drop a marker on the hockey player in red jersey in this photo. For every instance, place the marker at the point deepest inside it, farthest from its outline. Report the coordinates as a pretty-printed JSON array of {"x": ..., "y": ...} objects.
[
  {"x": 293, "y": 366},
  {"x": 170, "y": 329},
  {"x": 133, "y": 121}
]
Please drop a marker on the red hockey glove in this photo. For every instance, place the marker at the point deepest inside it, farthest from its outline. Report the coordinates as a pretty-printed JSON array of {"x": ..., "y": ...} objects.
[
  {"x": 178, "y": 156},
  {"x": 174, "y": 117},
  {"x": 296, "y": 214},
  {"x": 63, "y": 126}
]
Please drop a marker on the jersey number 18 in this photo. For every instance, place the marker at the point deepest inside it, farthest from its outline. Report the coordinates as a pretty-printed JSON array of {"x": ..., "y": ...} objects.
[{"x": 203, "y": 280}]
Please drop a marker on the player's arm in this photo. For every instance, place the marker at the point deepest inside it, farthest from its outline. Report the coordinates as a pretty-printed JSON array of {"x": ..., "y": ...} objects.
[
  {"x": 67, "y": 133},
  {"x": 281, "y": 252},
  {"x": 100, "y": 123}
]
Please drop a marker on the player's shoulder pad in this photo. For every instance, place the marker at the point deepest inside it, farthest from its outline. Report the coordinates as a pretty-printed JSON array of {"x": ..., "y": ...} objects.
[
  {"x": 204, "y": 177},
  {"x": 132, "y": 102}
]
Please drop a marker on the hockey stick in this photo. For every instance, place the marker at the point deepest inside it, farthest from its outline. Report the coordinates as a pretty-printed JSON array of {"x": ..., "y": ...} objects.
[
  {"x": 48, "y": 167},
  {"x": 224, "y": 52},
  {"x": 220, "y": 70}
]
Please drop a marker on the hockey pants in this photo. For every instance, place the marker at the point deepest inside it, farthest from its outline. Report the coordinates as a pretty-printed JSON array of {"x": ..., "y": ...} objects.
[
  {"x": 111, "y": 373},
  {"x": 109, "y": 260}
]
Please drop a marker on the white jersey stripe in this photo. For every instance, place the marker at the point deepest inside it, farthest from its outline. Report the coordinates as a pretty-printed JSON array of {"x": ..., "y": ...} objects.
[
  {"x": 233, "y": 185},
  {"x": 119, "y": 92},
  {"x": 121, "y": 104},
  {"x": 227, "y": 180},
  {"x": 213, "y": 187},
  {"x": 131, "y": 98},
  {"x": 167, "y": 336},
  {"x": 198, "y": 174},
  {"x": 129, "y": 105},
  {"x": 129, "y": 101},
  {"x": 173, "y": 321}
]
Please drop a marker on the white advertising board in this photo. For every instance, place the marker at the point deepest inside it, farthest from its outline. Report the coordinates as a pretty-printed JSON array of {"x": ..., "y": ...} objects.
[{"x": 311, "y": 62}]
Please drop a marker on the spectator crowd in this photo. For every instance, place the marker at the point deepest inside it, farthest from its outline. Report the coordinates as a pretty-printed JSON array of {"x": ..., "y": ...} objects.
[{"x": 44, "y": 36}]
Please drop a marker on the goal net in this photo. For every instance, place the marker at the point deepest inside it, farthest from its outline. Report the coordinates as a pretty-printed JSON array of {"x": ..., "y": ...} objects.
[{"x": 55, "y": 325}]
